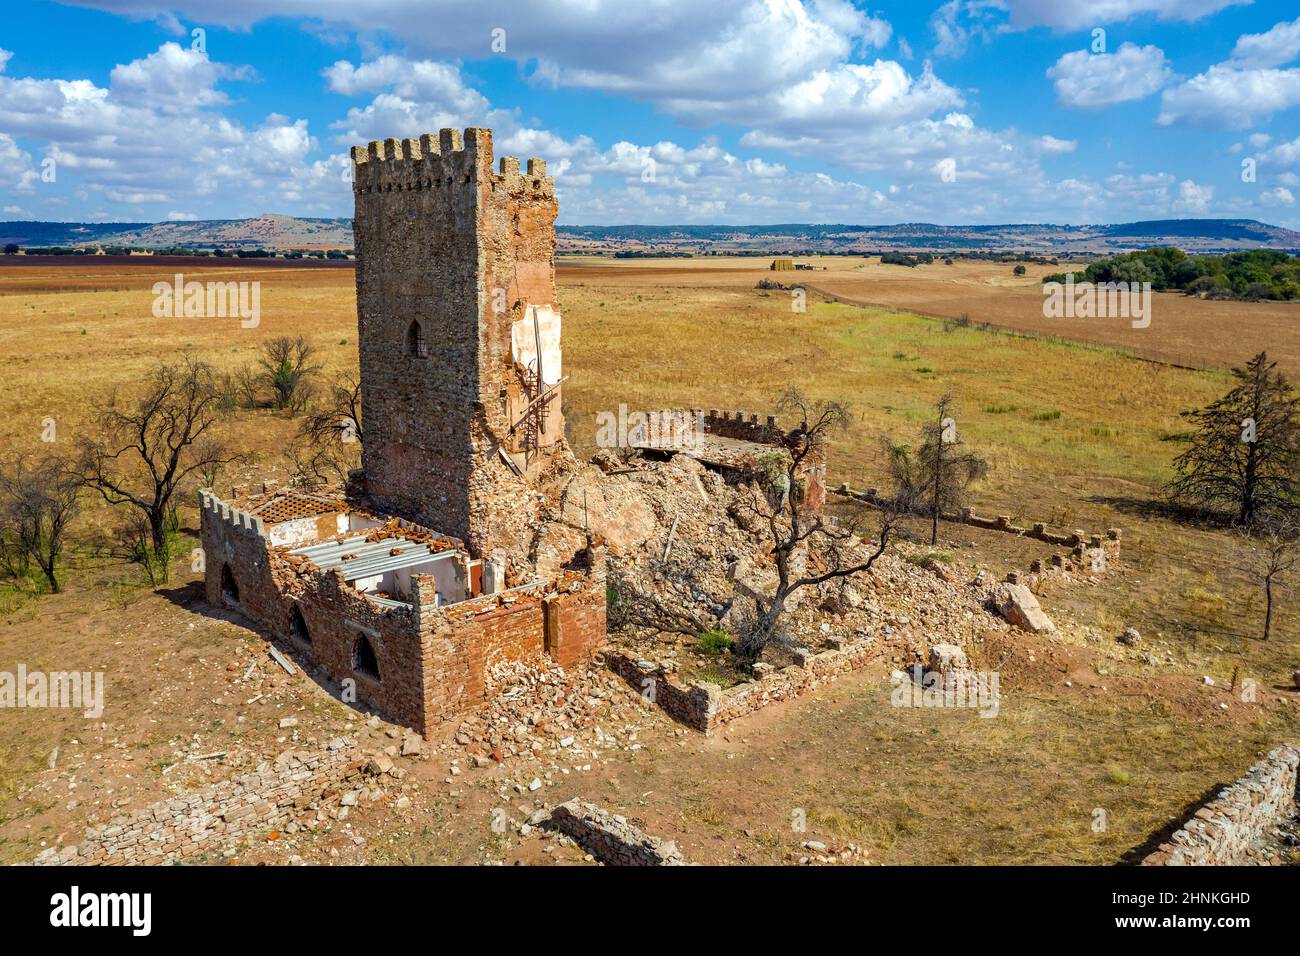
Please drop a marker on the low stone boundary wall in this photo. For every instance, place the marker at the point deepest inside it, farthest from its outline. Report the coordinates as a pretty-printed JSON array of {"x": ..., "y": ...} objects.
[
  {"x": 1220, "y": 833},
  {"x": 186, "y": 826},
  {"x": 706, "y": 707},
  {"x": 1078, "y": 540},
  {"x": 610, "y": 838}
]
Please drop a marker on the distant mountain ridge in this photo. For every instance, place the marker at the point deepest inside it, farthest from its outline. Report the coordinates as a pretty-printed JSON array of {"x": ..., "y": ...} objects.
[{"x": 274, "y": 231}]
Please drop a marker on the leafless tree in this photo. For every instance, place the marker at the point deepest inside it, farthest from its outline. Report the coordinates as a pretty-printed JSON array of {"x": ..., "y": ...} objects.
[
  {"x": 328, "y": 441},
  {"x": 841, "y": 548},
  {"x": 937, "y": 477},
  {"x": 36, "y": 504},
  {"x": 1273, "y": 549},
  {"x": 287, "y": 367},
  {"x": 151, "y": 445}
]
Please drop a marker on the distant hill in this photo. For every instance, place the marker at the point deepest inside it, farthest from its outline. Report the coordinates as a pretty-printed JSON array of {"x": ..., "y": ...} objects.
[
  {"x": 273, "y": 231},
  {"x": 267, "y": 231}
]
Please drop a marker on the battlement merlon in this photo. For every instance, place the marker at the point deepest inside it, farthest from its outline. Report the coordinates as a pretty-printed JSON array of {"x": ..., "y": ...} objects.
[{"x": 438, "y": 162}]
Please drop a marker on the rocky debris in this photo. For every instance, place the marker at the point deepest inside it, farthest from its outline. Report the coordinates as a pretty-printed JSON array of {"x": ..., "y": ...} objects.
[
  {"x": 1017, "y": 604},
  {"x": 720, "y": 566},
  {"x": 1295, "y": 679},
  {"x": 533, "y": 708},
  {"x": 1130, "y": 637},
  {"x": 947, "y": 659},
  {"x": 611, "y": 838},
  {"x": 819, "y": 854}
]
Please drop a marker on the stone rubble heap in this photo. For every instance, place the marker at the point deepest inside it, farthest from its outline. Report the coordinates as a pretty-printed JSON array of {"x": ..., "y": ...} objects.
[{"x": 542, "y": 710}]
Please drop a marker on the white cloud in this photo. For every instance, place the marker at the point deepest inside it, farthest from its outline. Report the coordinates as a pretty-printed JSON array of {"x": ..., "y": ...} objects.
[
  {"x": 171, "y": 79},
  {"x": 1086, "y": 80},
  {"x": 122, "y": 141},
  {"x": 1229, "y": 97},
  {"x": 176, "y": 216},
  {"x": 1277, "y": 46},
  {"x": 1080, "y": 14},
  {"x": 1050, "y": 144},
  {"x": 958, "y": 22},
  {"x": 683, "y": 56},
  {"x": 1277, "y": 197},
  {"x": 1193, "y": 197},
  {"x": 16, "y": 168}
]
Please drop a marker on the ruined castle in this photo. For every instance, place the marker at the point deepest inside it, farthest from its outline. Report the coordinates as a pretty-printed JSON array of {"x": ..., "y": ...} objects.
[{"x": 409, "y": 586}]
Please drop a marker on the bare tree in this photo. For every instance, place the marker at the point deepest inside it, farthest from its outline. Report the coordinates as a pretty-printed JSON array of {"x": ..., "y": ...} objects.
[
  {"x": 842, "y": 551},
  {"x": 287, "y": 368},
  {"x": 151, "y": 446},
  {"x": 36, "y": 504},
  {"x": 328, "y": 441},
  {"x": 1244, "y": 453},
  {"x": 937, "y": 477},
  {"x": 1273, "y": 545}
]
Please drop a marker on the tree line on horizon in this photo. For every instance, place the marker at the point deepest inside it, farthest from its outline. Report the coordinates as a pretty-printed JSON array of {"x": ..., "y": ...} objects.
[{"x": 1252, "y": 275}]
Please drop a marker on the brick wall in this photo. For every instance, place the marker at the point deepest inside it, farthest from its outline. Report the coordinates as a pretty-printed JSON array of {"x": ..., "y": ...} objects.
[
  {"x": 1221, "y": 832},
  {"x": 437, "y": 233},
  {"x": 432, "y": 660},
  {"x": 200, "y": 822},
  {"x": 337, "y": 617}
]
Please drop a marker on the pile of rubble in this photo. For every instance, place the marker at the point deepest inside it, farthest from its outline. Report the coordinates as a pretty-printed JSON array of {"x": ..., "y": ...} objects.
[
  {"x": 687, "y": 552},
  {"x": 540, "y": 709}
]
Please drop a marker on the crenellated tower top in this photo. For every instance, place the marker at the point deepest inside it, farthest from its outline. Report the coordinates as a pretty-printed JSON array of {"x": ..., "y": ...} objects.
[{"x": 434, "y": 162}]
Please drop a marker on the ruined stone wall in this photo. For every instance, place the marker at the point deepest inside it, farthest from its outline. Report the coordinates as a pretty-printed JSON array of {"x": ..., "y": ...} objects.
[
  {"x": 1222, "y": 832},
  {"x": 200, "y": 822},
  {"x": 338, "y": 617},
  {"x": 236, "y": 540},
  {"x": 705, "y": 707},
  {"x": 610, "y": 838},
  {"x": 563, "y": 619},
  {"x": 1079, "y": 540},
  {"x": 444, "y": 241},
  {"x": 747, "y": 426}
]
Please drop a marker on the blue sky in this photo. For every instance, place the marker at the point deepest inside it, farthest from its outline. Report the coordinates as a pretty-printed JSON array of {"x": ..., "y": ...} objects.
[{"x": 664, "y": 111}]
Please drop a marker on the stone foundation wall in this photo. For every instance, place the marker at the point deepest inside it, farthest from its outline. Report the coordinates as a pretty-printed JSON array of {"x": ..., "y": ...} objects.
[
  {"x": 610, "y": 838},
  {"x": 706, "y": 707},
  {"x": 1220, "y": 833},
  {"x": 1079, "y": 541},
  {"x": 200, "y": 822}
]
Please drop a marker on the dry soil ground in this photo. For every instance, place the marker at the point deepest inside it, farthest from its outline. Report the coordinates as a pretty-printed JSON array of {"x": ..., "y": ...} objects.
[{"x": 1077, "y": 435}]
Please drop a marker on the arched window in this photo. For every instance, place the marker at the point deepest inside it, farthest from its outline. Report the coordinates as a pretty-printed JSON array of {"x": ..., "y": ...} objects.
[
  {"x": 298, "y": 626},
  {"x": 415, "y": 343},
  {"x": 364, "y": 661},
  {"x": 229, "y": 589}
]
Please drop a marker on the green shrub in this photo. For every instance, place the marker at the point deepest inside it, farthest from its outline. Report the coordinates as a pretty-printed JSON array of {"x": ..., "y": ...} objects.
[{"x": 714, "y": 643}]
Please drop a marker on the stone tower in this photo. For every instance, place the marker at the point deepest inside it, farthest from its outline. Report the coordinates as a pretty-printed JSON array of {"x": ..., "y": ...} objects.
[{"x": 459, "y": 334}]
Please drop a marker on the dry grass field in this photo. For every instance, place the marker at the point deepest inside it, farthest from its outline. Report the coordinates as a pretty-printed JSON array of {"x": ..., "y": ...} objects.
[{"x": 1077, "y": 435}]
